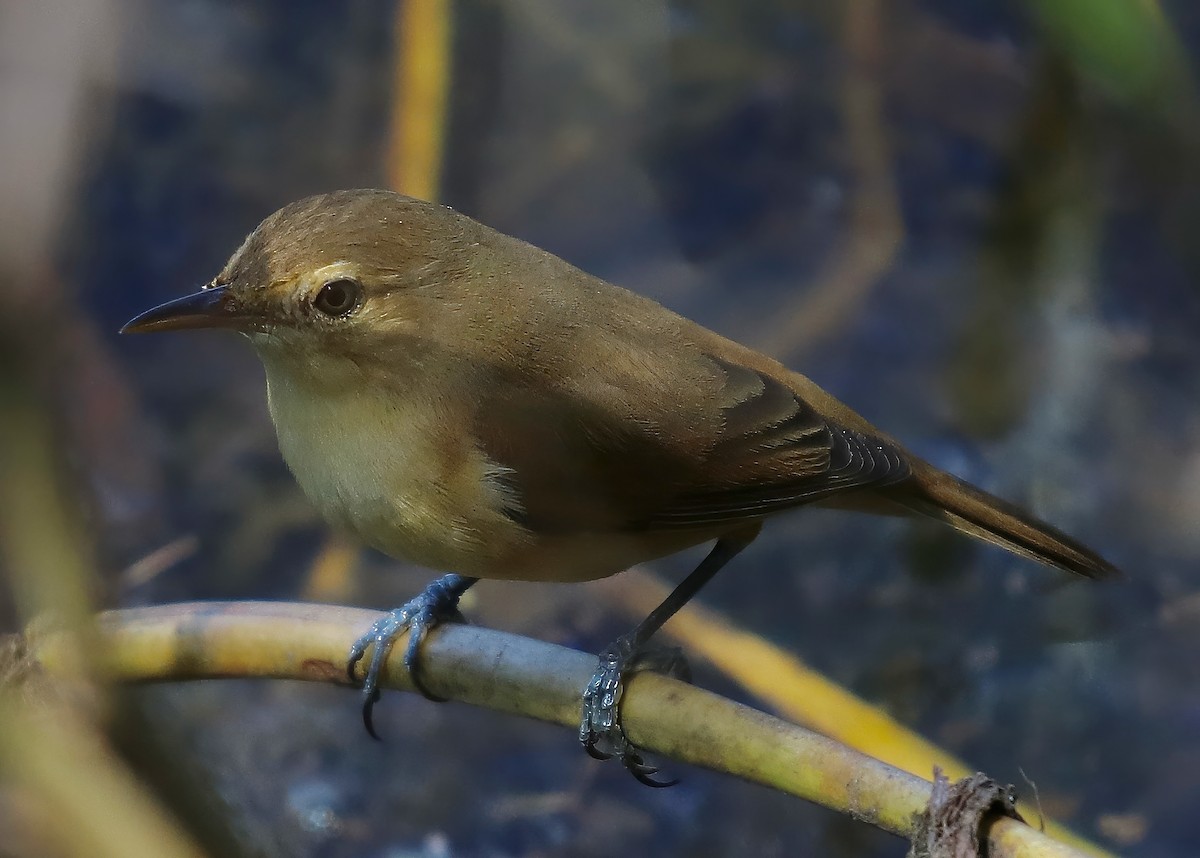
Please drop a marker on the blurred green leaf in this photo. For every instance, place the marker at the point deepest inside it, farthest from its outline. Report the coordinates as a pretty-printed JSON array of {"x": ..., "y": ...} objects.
[{"x": 1126, "y": 47}]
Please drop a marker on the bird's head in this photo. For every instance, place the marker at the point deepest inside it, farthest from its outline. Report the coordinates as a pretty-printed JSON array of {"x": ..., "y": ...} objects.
[{"x": 341, "y": 273}]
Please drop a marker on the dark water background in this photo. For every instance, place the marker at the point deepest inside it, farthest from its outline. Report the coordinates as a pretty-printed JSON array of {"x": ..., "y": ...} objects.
[{"x": 964, "y": 219}]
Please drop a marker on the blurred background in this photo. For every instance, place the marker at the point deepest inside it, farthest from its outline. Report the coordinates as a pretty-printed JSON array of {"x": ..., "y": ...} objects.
[{"x": 972, "y": 221}]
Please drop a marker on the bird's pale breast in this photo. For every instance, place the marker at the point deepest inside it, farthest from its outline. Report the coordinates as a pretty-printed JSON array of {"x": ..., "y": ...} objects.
[{"x": 383, "y": 467}]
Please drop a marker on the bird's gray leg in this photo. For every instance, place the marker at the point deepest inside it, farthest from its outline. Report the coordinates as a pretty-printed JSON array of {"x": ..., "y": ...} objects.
[{"x": 600, "y": 729}]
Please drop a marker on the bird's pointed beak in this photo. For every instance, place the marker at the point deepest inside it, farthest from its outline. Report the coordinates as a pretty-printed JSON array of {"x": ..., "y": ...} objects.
[{"x": 208, "y": 308}]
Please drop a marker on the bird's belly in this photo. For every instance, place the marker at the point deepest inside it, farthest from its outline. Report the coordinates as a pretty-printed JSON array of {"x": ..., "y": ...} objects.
[{"x": 376, "y": 468}]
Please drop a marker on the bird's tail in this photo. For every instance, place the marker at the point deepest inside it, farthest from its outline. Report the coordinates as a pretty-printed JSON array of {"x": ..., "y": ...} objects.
[{"x": 937, "y": 494}]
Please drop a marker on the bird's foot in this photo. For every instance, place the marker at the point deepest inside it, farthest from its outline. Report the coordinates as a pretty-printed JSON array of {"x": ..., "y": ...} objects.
[
  {"x": 436, "y": 604},
  {"x": 600, "y": 729}
]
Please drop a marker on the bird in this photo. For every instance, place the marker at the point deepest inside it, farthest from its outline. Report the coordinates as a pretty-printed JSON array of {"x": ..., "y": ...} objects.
[{"x": 463, "y": 400}]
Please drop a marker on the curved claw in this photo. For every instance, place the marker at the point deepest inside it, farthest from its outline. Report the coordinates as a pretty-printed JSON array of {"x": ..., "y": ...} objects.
[
  {"x": 368, "y": 720},
  {"x": 595, "y": 753},
  {"x": 438, "y": 602},
  {"x": 644, "y": 773},
  {"x": 601, "y": 720},
  {"x": 651, "y": 782},
  {"x": 383, "y": 631}
]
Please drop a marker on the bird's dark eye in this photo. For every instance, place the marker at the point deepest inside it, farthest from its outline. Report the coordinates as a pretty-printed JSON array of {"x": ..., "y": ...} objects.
[{"x": 338, "y": 298}]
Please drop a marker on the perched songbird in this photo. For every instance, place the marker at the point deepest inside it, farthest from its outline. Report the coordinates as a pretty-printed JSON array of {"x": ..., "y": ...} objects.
[{"x": 463, "y": 400}]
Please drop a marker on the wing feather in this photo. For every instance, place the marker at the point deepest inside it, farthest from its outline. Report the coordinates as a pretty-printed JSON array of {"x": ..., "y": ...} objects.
[
  {"x": 777, "y": 451},
  {"x": 574, "y": 465}
]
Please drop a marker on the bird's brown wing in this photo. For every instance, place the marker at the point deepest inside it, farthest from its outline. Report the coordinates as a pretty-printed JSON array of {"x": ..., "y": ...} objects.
[
  {"x": 751, "y": 447},
  {"x": 776, "y": 451}
]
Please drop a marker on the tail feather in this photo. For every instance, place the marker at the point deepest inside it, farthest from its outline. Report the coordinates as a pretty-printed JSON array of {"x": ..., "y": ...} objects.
[{"x": 939, "y": 495}]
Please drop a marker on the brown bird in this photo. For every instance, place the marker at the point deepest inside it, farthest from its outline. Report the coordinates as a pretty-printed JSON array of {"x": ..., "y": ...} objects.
[{"x": 463, "y": 400}]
